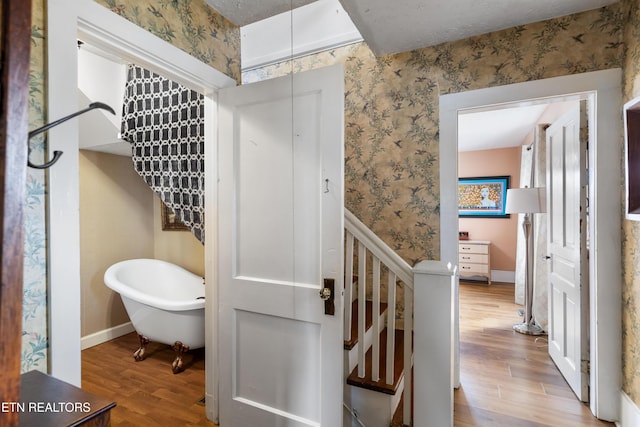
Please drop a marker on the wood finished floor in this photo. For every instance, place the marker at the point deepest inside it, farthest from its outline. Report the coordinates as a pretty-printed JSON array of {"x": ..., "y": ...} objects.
[
  {"x": 507, "y": 378},
  {"x": 147, "y": 393}
]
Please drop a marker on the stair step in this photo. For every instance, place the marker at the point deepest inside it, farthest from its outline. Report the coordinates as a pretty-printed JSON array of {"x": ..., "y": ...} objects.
[
  {"x": 349, "y": 344},
  {"x": 381, "y": 385}
]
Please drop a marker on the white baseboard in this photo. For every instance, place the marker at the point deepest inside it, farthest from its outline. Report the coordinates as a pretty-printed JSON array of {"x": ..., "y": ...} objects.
[
  {"x": 105, "y": 335},
  {"x": 629, "y": 412},
  {"x": 503, "y": 276}
]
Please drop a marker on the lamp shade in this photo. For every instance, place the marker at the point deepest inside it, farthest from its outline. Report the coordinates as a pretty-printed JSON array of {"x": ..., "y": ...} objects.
[{"x": 526, "y": 200}]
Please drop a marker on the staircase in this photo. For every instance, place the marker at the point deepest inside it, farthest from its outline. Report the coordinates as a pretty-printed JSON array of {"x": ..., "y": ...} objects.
[{"x": 377, "y": 348}]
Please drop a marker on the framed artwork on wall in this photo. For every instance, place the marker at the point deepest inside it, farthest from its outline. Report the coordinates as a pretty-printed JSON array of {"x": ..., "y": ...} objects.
[
  {"x": 632, "y": 158},
  {"x": 483, "y": 197},
  {"x": 170, "y": 221}
]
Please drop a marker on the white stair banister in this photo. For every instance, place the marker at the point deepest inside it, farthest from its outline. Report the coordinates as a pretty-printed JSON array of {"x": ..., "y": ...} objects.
[
  {"x": 362, "y": 306},
  {"x": 433, "y": 347},
  {"x": 408, "y": 355},
  {"x": 391, "y": 325},
  {"x": 399, "y": 275},
  {"x": 379, "y": 248},
  {"x": 429, "y": 320},
  {"x": 375, "y": 360},
  {"x": 348, "y": 284}
]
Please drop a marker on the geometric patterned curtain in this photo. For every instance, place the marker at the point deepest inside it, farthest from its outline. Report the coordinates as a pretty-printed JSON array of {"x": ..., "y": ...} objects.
[{"x": 164, "y": 122}]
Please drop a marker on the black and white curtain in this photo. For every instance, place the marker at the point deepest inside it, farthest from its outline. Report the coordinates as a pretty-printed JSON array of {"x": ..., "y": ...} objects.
[{"x": 164, "y": 122}]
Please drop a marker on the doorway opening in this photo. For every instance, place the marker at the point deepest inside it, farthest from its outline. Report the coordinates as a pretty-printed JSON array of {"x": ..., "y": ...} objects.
[
  {"x": 109, "y": 32},
  {"x": 604, "y": 160},
  {"x": 522, "y": 156},
  {"x": 506, "y": 140}
]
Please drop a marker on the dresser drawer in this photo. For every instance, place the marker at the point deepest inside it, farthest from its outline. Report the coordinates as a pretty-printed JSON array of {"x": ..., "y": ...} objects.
[
  {"x": 474, "y": 268},
  {"x": 473, "y": 248},
  {"x": 473, "y": 258}
]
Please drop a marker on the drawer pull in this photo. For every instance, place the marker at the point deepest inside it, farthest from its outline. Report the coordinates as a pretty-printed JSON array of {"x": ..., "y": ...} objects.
[{"x": 466, "y": 257}]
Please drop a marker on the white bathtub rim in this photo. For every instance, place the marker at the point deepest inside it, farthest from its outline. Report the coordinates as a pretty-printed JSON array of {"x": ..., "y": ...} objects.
[{"x": 112, "y": 282}]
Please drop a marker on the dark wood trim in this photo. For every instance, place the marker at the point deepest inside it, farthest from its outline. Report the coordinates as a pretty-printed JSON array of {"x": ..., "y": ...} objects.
[
  {"x": 14, "y": 89},
  {"x": 47, "y": 401}
]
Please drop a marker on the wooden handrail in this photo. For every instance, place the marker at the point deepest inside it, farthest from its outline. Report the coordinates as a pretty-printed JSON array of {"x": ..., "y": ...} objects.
[{"x": 379, "y": 248}]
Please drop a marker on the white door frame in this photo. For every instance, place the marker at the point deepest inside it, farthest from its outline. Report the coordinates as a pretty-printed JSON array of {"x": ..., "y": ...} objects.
[
  {"x": 67, "y": 20},
  {"x": 604, "y": 194}
]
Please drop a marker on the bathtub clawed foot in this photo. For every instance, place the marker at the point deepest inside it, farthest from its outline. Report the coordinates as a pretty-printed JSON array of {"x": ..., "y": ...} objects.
[
  {"x": 139, "y": 354},
  {"x": 180, "y": 349}
]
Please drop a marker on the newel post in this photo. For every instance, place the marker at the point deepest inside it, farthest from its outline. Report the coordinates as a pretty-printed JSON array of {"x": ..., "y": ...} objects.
[{"x": 434, "y": 320}]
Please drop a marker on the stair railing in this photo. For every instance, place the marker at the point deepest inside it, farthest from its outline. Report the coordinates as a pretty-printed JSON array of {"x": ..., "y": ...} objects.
[{"x": 400, "y": 274}]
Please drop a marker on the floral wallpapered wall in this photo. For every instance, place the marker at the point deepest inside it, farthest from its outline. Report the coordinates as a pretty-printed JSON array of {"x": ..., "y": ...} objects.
[
  {"x": 34, "y": 305},
  {"x": 391, "y": 117},
  {"x": 190, "y": 25},
  {"x": 631, "y": 229},
  {"x": 391, "y": 110}
]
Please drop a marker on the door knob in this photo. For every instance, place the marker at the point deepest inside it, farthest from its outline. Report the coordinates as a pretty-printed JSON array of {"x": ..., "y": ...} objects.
[{"x": 327, "y": 295}]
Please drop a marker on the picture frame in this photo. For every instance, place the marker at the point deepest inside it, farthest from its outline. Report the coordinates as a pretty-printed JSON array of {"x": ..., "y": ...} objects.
[
  {"x": 483, "y": 197},
  {"x": 631, "y": 116},
  {"x": 170, "y": 221}
]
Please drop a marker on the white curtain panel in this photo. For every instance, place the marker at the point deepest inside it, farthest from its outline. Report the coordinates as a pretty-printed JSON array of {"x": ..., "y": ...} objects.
[
  {"x": 540, "y": 308},
  {"x": 526, "y": 163},
  {"x": 534, "y": 158}
]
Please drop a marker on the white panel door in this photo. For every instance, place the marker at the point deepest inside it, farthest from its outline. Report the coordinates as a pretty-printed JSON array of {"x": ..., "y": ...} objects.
[
  {"x": 281, "y": 234},
  {"x": 567, "y": 230}
]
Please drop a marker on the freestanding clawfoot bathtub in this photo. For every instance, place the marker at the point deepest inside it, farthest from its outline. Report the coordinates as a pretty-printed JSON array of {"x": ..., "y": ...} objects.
[{"x": 165, "y": 303}]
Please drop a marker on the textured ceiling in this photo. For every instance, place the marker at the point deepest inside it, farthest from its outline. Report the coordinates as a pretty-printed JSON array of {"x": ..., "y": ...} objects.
[
  {"x": 399, "y": 26},
  {"x": 391, "y": 26},
  {"x": 243, "y": 12}
]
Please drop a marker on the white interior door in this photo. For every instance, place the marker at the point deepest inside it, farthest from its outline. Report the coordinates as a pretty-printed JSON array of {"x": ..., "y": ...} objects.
[
  {"x": 281, "y": 234},
  {"x": 567, "y": 231}
]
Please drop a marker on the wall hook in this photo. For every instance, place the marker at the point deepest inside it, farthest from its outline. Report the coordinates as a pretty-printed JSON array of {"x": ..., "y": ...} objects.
[{"x": 57, "y": 154}]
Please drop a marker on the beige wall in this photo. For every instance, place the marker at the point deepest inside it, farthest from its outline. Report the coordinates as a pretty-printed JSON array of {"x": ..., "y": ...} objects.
[
  {"x": 502, "y": 232},
  {"x": 114, "y": 225},
  {"x": 120, "y": 219},
  {"x": 178, "y": 247}
]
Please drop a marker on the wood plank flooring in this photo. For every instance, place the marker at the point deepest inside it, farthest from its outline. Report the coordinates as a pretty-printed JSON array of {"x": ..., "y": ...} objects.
[
  {"x": 147, "y": 393},
  {"x": 508, "y": 379}
]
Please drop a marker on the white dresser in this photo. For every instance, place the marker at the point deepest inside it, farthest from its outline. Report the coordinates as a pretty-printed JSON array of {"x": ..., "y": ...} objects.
[{"x": 474, "y": 258}]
